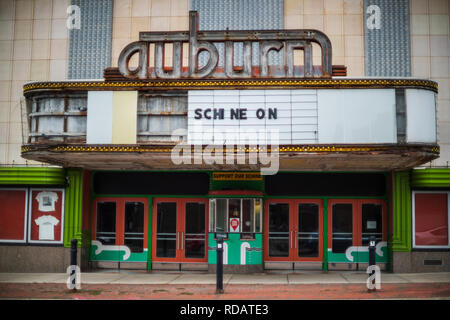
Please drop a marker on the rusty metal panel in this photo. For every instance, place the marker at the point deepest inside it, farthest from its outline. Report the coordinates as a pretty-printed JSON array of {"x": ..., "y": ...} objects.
[
  {"x": 57, "y": 118},
  {"x": 159, "y": 115}
]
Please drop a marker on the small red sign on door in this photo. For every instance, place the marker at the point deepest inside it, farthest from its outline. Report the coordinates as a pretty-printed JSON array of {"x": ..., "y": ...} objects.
[{"x": 234, "y": 225}]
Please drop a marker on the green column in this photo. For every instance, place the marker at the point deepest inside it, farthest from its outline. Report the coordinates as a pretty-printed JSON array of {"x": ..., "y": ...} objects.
[
  {"x": 73, "y": 205},
  {"x": 401, "y": 207},
  {"x": 150, "y": 233},
  {"x": 325, "y": 234}
]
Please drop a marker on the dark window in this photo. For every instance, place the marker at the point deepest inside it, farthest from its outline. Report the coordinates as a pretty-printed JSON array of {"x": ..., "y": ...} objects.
[
  {"x": 279, "y": 230},
  {"x": 106, "y": 223},
  {"x": 247, "y": 215},
  {"x": 166, "y": 230},
  {"x": 308, "y": 230},
  {"x": 134, "y": 226},
  {"x": 342, "y": 227},
  {"x": 195, "y": 238},
  {"x": 372, "y": 224}
]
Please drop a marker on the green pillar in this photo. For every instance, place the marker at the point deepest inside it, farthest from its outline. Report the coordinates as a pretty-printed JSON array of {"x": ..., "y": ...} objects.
[
  {"x": 401, "y": 207},
  {"x": 325, "y": 234},
  {"x": 150, "y": 233},
  {"x": 73, "y": 205}
]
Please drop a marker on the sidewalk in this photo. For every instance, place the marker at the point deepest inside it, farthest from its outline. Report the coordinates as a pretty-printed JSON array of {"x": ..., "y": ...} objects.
[
  {"x": 202, "y": 286},
  {"x": 137, "y": 277}
]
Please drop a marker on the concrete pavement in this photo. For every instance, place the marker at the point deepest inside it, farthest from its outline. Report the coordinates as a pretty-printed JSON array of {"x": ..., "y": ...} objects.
[{"x": 172, "y": 278}]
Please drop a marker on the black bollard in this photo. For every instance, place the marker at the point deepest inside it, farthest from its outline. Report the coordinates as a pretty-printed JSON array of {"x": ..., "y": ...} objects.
[
  {"x": 73, "y": 259},
  {"x": 372, "y": 258},
  {"x": 372, "y": 241},
  {"x": 219, "y": 271}
]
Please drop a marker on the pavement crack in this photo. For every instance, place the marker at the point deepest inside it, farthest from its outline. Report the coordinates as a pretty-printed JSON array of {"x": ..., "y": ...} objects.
[{"x": 170, "y": 281}]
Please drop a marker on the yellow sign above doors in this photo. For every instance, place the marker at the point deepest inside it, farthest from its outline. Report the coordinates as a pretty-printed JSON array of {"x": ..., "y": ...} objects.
[{"x": 233, "y": 176}]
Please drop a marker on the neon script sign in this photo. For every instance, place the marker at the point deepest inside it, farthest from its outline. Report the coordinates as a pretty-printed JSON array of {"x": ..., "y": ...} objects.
[{"x": 204, "y": 41}]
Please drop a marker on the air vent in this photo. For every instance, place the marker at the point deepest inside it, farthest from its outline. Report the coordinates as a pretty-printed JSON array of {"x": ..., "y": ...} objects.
[{"x": 432, "y": 262}]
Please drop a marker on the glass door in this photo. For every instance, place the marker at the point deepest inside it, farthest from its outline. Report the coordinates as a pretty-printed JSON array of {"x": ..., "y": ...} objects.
[
  {"x": 180, "y": 230},
  {"x": 371, "y": 222},
  {"x": 353, "y": 222},
  {"x": 166, "y": 230},
  {"x": 119, "y": 231},
  {"x": 134, "y": 226},
  {"x": 293, "y": 230},
  {"x": 279, "y": 231},
  {"x": 342, "y": 226},
  {"x": 309, "y": 239},
  {"x": 194, "y": 231}
]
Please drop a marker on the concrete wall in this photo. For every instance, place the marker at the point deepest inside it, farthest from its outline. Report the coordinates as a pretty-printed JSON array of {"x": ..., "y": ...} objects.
[
  {"x": 21, "y": 258},
  {"x": 407, "y": 262}
]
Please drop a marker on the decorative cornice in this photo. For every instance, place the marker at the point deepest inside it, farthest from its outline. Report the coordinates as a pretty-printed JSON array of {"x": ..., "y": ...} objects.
[
  {"x": 230, "y": 84},
  {"x": 282, "y": 149}
]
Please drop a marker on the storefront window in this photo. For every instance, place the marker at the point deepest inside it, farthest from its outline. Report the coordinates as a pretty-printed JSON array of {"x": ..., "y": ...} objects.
[
  {"x": 247, "y": 212},
  {"x": 235, "y": 215},
  {"x": 220, "y": 215}
]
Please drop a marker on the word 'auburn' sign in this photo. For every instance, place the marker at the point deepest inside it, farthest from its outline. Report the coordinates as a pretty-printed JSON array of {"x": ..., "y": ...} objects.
[{"x": 207, "y": 41}]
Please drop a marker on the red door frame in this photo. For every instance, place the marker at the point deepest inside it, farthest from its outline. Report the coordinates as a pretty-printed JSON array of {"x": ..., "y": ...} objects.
[
  {"x": 356, "y": 218},
  {"x": 293, "y": 229},
  {"x": 120, "y": 217},
  {"x": 180, "y": 232}
]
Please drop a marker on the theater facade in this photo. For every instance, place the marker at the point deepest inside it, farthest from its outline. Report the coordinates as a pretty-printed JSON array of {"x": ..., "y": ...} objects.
[{"x": 296, "y": 164}]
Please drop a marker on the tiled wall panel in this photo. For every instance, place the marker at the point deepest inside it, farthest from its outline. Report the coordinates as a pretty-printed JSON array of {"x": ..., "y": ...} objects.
[
  {"x": 240, "y": 15},
  {"x": 90, "y": 46},
  {"x": 388, "y": 41}
]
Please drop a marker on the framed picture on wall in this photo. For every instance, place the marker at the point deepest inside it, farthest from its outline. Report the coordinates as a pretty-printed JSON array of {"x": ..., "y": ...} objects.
[{"x": 46, "y": 216}]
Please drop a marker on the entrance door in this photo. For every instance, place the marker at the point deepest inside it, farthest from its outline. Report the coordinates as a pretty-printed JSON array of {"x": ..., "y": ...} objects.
[
  {"x": 119, "y": 230},
  {"x": 179, "y": 230},
  {"x": 351, "y": 223},
  {"x": 293, "y": 230}
]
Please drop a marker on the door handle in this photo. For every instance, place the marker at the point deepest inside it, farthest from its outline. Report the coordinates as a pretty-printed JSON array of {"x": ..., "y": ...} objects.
[
  {"x": 295, "y": 239},
  {"x": 182, "y": 241},
  {"x": 290, "y": 234}
]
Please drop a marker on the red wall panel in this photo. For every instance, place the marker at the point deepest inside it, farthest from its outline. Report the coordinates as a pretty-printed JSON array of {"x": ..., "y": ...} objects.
[
  {"x": 12, "y": 214},
  {"x": 431, "y": 219}
]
